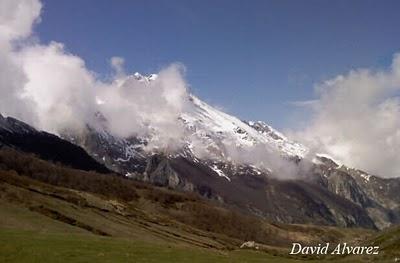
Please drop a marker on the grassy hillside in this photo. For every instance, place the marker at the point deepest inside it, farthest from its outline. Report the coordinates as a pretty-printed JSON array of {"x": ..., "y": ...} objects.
[
  {"x": 55, "y": 214},
  {"x": 20, "y": 246},
  {"x": 389, "y": 242}
]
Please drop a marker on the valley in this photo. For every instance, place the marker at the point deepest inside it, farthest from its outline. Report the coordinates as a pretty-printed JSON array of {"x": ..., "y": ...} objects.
[{"x": 64, "y": 218}]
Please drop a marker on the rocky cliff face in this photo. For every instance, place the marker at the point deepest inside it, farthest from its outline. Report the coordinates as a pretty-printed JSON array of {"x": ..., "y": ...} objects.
[
  {"x": 374, "y": 194},
  {"x": 286, "y": 201}
]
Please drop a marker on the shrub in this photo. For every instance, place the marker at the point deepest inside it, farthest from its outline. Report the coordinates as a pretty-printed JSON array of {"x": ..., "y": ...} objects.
[{"x": 109, "y": 185}]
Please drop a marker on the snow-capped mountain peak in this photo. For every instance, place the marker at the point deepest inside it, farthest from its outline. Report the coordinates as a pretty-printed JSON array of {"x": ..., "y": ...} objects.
[
  {"x": 141, "y": 78},
  {"x": 206, "y": 133},
  {"x": 219, "y": 129}
]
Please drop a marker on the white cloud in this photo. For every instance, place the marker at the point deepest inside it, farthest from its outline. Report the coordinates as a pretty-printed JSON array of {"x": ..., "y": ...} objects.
[
  {"x": 303, "y": 103},
  {"x": 17, "y": 18},
  {"x": 16, "y": 21},
  {"x": 356, "y": 116},
  {"x": 53, "y": 90},
  {"x": 128, "y": 104},
  {"x": 117, "y": 63},
  {"x": 357, "y": 119},
  {"x": 60, "y": 86}
]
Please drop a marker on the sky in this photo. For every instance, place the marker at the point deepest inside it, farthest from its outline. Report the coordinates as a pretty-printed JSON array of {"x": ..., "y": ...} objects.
[
  {"x": 250, "y": 58},
  {"x": 325, "y": 73}
]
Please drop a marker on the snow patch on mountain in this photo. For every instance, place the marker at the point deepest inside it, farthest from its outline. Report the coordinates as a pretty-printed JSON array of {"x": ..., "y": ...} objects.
[
  {"x": 219, "y": 172},
  {"x": 214, "y": 135},
  {"x": 365, "y": 176}
]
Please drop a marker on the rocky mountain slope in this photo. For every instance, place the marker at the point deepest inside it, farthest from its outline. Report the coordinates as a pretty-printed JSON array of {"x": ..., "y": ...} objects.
[
  {"x": 57, "y": 213},
  {"x": 248, "y": 165},
  {"x": 245, "y": 165},
  {"x": 21, "y": 136}
]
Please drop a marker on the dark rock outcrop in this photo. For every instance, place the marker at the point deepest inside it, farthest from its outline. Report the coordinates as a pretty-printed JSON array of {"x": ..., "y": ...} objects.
[{"x": 21, "y": 136}]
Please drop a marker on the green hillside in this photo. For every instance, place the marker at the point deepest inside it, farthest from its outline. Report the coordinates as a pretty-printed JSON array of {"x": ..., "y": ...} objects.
[{"x": 50, "y": 213}]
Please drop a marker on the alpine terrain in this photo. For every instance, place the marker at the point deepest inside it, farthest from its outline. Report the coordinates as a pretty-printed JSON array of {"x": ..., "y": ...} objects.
[
  {"x": 247, "y": 165},
  {"x": 224, "y": 187}
]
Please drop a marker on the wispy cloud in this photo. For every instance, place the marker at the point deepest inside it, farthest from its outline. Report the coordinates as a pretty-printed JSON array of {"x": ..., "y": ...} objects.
[{"x": 303, "y": 103}]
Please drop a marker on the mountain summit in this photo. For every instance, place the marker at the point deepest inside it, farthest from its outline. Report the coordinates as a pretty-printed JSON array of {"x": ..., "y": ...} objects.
[
  {"x": 244, "y": 164},
  {"x": 198, "y": 131}
]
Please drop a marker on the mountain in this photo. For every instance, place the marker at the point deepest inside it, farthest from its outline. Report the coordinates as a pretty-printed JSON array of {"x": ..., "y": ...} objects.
[
  {"x": 247, "y": 165},
  {"x": 108, "y": 218},
  {"x": 45, "y": 204},
  {"x": 21, "y": 136}
]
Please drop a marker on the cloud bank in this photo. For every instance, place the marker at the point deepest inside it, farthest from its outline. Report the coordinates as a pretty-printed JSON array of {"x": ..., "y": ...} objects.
[
  {"x": 357, "y": 119},
  {"x": 16, "y": 21},
  {"x": 53, "y": 90}
]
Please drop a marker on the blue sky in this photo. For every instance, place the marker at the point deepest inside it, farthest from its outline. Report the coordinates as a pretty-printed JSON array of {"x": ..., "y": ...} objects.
[{"x": 249, "y": 57}]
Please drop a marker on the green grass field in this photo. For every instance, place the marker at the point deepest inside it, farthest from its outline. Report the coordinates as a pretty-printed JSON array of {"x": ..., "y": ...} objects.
[{"x": 28, "y": 246}]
